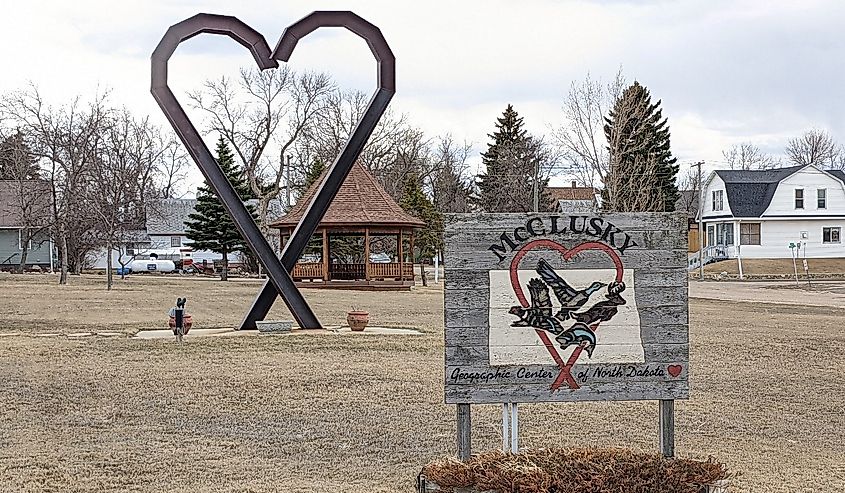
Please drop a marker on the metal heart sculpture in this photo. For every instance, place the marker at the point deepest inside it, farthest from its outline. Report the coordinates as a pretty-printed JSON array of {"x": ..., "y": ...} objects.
[{"x": 280, "y": 281}]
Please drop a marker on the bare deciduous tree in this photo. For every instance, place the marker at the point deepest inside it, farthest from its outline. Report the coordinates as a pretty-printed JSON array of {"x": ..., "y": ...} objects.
[
  {"x": 28, "y": 199},
  {"x": 815, "y": 147},
  {"x": 121, "y": 180},
  {"x": 747, "y": 156},
  {"x": 262, "y": 115},
  {"x": 66, "y": 139},
  {"x": 581, "y": 140},
  {"x": 451, "y": 188}
]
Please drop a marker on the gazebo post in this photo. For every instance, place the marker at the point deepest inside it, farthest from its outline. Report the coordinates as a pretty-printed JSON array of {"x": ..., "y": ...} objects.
[
  {"x": 325, "y": 255},
  {"x": 412, "y": 257},
  {"x": 367, "y": 254},
  {"x": 401, "y": 257}
]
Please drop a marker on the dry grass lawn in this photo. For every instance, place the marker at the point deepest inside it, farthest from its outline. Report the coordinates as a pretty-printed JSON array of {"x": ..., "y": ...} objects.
[
  {"x": 328, "y": 413},
  {"x": 777, "y": 267}
]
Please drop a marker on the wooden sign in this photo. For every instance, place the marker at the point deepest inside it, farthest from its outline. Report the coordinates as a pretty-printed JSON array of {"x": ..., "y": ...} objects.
[{"x": 550, "y": 307}]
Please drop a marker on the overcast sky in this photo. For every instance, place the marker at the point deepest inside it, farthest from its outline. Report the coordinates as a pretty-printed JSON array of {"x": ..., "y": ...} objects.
[{"x": 726, "y": 71}]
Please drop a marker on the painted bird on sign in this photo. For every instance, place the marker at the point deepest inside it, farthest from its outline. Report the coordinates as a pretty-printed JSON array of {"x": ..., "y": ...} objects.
[{"x": 570, "y": 298}]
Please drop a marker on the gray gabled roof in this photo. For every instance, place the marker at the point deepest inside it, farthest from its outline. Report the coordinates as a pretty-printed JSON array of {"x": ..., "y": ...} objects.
[
  {"x": 750, "y": 192},
  {"x": 168, "y": 216}
]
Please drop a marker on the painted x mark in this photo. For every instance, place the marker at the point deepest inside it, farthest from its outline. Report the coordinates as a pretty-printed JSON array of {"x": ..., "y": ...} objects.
[{"x": 278, "y": 271}]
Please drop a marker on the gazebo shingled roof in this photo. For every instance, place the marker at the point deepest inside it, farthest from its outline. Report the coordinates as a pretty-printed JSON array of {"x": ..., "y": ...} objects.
[{"x": 359, "y": 201}]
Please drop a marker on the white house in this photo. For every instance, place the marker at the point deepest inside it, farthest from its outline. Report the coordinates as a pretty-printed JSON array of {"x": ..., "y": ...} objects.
[
  {"x": 164, "y": 235},
  {"x": 758, "y": 214}
]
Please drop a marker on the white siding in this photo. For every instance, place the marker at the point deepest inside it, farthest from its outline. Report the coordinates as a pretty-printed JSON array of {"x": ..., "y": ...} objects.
[
  {"x": 715, "y": 184},
  {"x": 810, "y": 180},
  {"x": 776, "y": 235},
  {"x": 162, "y": 242}
]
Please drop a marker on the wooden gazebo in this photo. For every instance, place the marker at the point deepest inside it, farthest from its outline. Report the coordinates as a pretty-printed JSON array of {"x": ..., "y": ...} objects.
[{"x": 365, "y": 240}]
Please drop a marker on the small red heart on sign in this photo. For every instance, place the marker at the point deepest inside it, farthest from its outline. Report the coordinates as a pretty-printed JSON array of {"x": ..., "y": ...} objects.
[{"x": 674, "y": 370}]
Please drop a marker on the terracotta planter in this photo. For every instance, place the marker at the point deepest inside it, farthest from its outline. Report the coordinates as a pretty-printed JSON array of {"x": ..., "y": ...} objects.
[
  {"x": 187, "y": 323},
  {"x": 357, "y": 320}
]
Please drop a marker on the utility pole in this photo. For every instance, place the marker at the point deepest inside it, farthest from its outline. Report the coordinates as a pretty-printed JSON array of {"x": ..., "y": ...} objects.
[
  {"x": 536, "y": 187},
  {"x": 287, "y": 181},
  {"x": 701, "y": 231}
]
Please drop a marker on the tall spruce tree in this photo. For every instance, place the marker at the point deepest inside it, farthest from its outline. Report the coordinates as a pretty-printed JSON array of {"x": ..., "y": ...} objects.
[
  {"x": 429, "y": 237},
  {"x": 642, "y": 175},
  {"x": 17, "y": 161},
  {"x": 511, "y": 163},
  {"x": 211, "y": 227}
]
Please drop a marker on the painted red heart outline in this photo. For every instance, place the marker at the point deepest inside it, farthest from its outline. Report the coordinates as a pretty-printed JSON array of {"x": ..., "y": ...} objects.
[{"x": 565, "y": 374}]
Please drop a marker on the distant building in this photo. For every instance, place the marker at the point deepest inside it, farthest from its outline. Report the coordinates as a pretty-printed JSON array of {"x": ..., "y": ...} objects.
[
  {"x": 164, "y": 236},
  {"x": 758, "y": 214},
  {"x": 24, "y": 206},
  {"x": 575, "y": 199}
]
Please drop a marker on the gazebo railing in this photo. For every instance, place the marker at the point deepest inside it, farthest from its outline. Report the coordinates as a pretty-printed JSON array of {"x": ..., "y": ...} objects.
[
  {"x": 391, "y": 269},
  {"x": 347, "y": 272},
  {"x": 354, "y": 272},
  {"x": 308, "y": 270}
]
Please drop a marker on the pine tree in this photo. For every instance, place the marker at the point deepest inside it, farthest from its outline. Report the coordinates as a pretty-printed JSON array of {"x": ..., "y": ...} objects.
[
  {"x": 16, "y": 159},
  {"x": 211, "y": 227},
  {"x": 312, "y": 174},
  {"x": 642, "y": 175},
  {"x": 511, "y": 162},
  {"x": 415, "y": 202}
]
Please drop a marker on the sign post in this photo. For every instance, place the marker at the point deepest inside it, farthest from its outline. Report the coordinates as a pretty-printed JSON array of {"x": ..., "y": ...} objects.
[{"x": 556, "y": 308}]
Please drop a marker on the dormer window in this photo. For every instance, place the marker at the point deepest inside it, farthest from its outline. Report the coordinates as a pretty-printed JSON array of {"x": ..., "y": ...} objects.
[
  {"x": 821, "y": 196},
  {"x": 799, "y": 198},
  {"x": 718, "y": 200}
]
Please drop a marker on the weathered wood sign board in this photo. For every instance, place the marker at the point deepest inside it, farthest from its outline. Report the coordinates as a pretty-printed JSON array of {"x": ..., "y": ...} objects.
[{"x": 551, "y": 307}]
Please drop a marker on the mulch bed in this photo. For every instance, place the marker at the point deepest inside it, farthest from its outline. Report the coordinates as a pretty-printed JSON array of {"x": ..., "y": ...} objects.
[{"x": 582, "y": 470}]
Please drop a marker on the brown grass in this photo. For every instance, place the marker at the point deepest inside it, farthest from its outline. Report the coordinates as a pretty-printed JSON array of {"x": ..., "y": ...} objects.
[
  {"x": 328, "y": 413},
  {"x": 777, "y": 267},
  {"x": 575, "y": 470}
]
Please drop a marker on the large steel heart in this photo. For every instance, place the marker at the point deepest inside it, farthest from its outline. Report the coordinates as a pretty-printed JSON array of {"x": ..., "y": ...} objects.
[{"x": 280, "y": 281}]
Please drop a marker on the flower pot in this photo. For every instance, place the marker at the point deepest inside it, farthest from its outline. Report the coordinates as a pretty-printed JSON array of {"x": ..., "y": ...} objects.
[
  {"x": 187, "y": 323},
  {"x": 357, "y": 320}
]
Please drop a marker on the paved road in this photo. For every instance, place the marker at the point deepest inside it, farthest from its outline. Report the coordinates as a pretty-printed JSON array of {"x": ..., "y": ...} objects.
[{"x": 830, "y": 293}]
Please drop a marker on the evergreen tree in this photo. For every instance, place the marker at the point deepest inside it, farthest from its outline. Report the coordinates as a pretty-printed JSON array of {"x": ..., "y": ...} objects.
[
  {"x": 642, "y": 175},
  {"x": 415, "y": 203},
  {"x": 511, "y": 162},
  {"x": 312, "y": 174},
  {"x": 211, "y": 227},
  {"x": 16, "y": 159}
]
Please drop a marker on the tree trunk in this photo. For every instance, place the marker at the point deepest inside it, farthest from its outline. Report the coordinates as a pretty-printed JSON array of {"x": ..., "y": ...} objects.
[
  {"x": 63, "y": 255},
  {"x": 224, "y": 272},
  {"x": 109, "y": 273},
  {"x": 422, "y": 273},
  {"x": 24, "y": 252}
]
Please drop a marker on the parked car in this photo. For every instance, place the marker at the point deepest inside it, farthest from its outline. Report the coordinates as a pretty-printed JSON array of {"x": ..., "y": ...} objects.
[{"x": 380, "y": 258}]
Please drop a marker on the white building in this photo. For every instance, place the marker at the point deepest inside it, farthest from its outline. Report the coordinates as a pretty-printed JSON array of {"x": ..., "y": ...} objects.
[{"x": 758, "y": 214}]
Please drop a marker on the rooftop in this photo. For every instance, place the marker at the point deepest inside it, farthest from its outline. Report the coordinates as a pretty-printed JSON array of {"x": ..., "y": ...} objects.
[
  {"x": 360, "y": 201},
  {"x": 27, "y": 197}
]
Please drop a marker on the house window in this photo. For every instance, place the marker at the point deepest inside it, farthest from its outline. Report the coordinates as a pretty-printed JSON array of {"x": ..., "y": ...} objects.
[
  {"x": 20, "y": 241},
  {"x": 718, "y": 200},
  {"x": 130, "y": 249},
  {"x": 175, "y": 241},
  {"x": 821, "y": 196},
  {"x": 799, "y": 198},
  {"x": 725, "y": 234},
  {"x": 831, "y": 235},
  {"x": 749, "y": 234},
  {"x": 711, "y": 235}
]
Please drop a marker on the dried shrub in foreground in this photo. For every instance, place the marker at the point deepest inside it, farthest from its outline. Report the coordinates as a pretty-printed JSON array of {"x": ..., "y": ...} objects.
[{"x": 582, "y": 470}]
